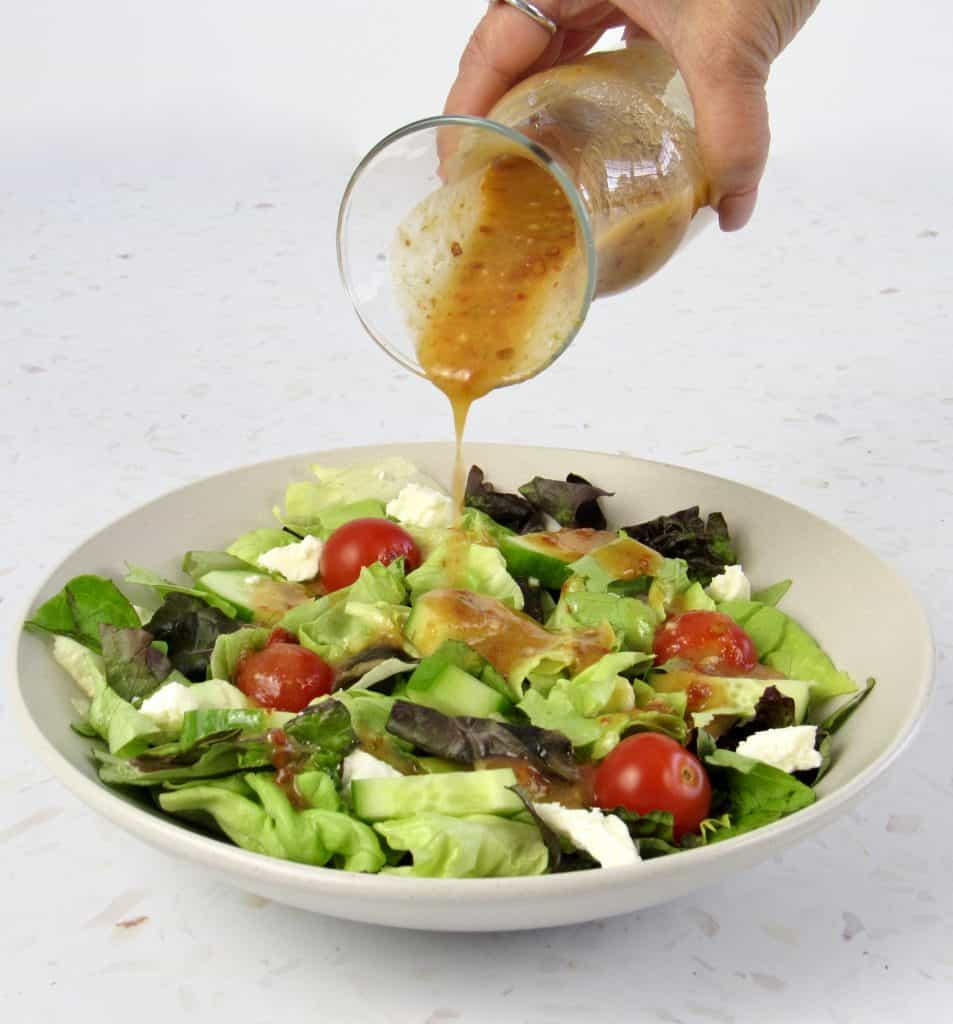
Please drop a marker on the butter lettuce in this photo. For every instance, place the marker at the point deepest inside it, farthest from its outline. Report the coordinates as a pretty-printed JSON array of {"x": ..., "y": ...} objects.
[
  {"x": 251, "y": 545},
  {"x": 632, "y": 620},
  {"x": 474, "y": 846},
  {"x": 125, "y": 730},
  {"x": 229, "y": 648},
  {"x": 256, "y": 814},
  {"x": 345, "y": 622},
  {"x": 598, "y": 706},
  {"x": 786, "y": 646},
  {"x": 78, "y": 610},
  {"x": 479, "y": 568}
]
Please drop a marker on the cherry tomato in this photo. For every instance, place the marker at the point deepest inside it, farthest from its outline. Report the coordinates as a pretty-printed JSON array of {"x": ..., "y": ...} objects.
[
  {"x": 711, "y": 641},
  {"x": 363, "y": 542},
  {"x": 281, "y": 636},
  {"x": 651, "y": 772},
  {"x": 284, "y": 676}
]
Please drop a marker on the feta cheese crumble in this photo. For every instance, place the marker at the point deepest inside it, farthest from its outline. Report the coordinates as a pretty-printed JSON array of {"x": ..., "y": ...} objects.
[
  {"x": 603, "y": 836},
  {"x": 361, "y": 765},
  {"x": 296, "y": 562},
  {"x": 790, "y": 749},
  {"x": 166, "y": 708},
  {"x": 731, "y": 585},
  {"x": 421, "y": 506}
]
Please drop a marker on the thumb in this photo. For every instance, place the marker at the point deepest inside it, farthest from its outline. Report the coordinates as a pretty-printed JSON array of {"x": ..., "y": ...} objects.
[{"x": 731, "y": 119}]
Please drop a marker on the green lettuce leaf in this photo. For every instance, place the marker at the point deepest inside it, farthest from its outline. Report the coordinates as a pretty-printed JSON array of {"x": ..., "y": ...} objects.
[
  {"x": 772, "y": 595},
  {"x": 786, "y": 646},
  {"x": 209, "y": 757},
  {"x": 124, "y": 729},
  {"x": 751, "y": 793},
  {"x": 341, "y": 494},
  {"x": 81, "y": 607},
  {"x": 198, "y": 563},
  {"x": 481, "y": 529},
  {"x": 481, "y": 569},
  {"x": 134, "y": 666},
  {"x": 326, "y": 728},
  {"x": 251, "y": 545},
  {"x": 263, "y": 819},
  {"x": 368, "y": 613},
  {"x": 190, "y": 627},
  {"x": 475, "y": 846},
  {"x": 597, "y": 707},
  {"x": 229, "y": 648},
  {"x": 147, "y": 578},
  {"x": 197, "y": 725},
  {"x": 632, "y": 621}
]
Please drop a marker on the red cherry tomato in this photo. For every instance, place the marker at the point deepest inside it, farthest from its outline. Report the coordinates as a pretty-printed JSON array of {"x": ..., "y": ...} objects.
[
  {"x": 281, "y": 636},
  {"x": 363, "y": 542},
  {"x": 651, "y": 772},
  {"x": 711, "y": 641},
  {"x": 284, "y": 676}
]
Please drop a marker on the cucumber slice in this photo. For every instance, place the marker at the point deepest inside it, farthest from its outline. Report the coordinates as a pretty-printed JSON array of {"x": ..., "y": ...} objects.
[
  {"x": 453, "y": 793},
  {"x": 255, "y": 596},
  {"x": 449, "y": 689},
  {"x": 547, "y": 556},
  {"x": 799, "y": 691}
]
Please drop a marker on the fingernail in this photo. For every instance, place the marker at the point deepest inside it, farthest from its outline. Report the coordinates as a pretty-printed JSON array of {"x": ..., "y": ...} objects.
[{"x": 735, "y": 211}]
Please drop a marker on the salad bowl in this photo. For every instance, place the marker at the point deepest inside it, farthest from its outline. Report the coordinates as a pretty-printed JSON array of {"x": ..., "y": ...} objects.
[{"x": 841, "y": 592}]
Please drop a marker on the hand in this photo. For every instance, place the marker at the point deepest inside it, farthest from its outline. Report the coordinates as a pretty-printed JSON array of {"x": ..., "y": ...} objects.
[{"x": 724, "y": 49}]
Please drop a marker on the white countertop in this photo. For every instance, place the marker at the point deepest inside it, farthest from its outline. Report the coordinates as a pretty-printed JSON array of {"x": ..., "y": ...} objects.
[{"x": 169, "y": 307}]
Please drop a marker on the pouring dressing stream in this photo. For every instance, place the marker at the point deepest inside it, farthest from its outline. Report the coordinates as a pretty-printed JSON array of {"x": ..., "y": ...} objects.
[{"x": 583, "y": 181}]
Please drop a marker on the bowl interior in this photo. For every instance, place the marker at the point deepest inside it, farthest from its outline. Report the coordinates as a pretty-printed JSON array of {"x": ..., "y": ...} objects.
[{"x": 859, "y": 609}]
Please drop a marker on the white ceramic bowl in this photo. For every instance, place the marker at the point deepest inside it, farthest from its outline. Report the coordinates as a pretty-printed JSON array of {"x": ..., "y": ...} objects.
[{"x": 860, "y": 610}]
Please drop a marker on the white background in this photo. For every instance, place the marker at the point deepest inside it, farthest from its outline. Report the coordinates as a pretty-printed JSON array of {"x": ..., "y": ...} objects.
[{"x": 169, "y": 307}]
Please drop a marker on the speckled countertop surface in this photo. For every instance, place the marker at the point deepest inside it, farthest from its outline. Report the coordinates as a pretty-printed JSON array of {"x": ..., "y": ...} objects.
[{"x": 169, "y": 307}]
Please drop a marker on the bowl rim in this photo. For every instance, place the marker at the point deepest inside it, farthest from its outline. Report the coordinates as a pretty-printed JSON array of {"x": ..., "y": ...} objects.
[{"x": 171, "y": 836}]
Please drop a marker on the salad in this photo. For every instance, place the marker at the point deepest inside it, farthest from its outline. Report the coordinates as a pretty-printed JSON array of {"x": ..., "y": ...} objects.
[{"x": 373, "y": 684}]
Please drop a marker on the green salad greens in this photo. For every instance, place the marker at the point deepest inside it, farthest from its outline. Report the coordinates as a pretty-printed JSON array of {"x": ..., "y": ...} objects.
[{"x": 375, "y": 684}]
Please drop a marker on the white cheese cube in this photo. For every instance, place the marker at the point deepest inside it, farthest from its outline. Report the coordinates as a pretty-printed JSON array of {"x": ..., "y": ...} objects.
[
  {"x": 603, "y": 836},
  {"x": 296, "y": 562},
  {"x": 790, "y": 749},
  {"x": 361, "y": 765},
  {"x": 731, "y": 585},
  {"x": 421, "y": 506}
]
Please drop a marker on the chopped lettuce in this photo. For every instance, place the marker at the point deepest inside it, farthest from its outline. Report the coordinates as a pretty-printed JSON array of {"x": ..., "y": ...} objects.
[
  {"x": 475, "y": 846},
  {"x": 257, "y": 815},
  {"x": 477, "y": 568},
  {"x": 632, "y": 620},
  {"x": 251, "y": 545},
  {"x": 229, "y": 648},
  {"x": 786, "y": 646},
  {"x": 597, "y": 707},
  {"x": 751, "y": 793},
  {"x": 340, "y": 494},
  {"x": 147, "y": 578},
  {"x": 343, "y": 623},
  {"x": 81, "y": 607},
  {"x": 772, "y": 595},
  {"x": 124, "y": 729}
]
